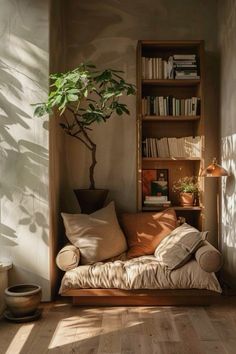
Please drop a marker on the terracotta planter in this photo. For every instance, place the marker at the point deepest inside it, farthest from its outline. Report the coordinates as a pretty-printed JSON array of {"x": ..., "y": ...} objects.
[
  {"x": 91, "y": 200},
  {"x": 23, "y": 299},
  {"x": 186, "y": 199}
]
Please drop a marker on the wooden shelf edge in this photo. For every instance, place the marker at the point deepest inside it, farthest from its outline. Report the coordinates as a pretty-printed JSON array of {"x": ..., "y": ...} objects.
[
  {"x": 172, "y": 82},
  {"x": 171, "y": 43},
  {"x": 153, "y": 159},
  {"x": 177, "y": 207},
  {"x": 170, "y": 118}
]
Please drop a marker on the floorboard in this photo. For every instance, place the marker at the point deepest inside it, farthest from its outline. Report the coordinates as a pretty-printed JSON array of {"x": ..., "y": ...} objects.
[{"x": 128, "y": 330}]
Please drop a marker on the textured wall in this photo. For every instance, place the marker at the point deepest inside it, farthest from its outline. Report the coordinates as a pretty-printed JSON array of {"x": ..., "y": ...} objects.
[
  {"x": 106, "y": 33},
  {"x": 24, "y": 210},
  {"x": 227, "y": 43}
]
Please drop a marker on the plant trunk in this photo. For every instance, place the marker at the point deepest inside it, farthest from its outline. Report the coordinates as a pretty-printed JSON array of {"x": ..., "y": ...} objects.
[{"x": 92, "y": 166}]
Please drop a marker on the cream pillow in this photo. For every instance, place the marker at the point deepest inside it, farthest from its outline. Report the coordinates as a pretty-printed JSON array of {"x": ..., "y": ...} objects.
[
  {"x": 68, "y": 258},
  {"x": 98, "y": 235},
  {"x": 177, "y": 248}
]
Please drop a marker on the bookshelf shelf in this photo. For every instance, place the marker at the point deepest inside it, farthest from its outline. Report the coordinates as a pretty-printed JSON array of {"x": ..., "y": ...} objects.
[
  {"x": 177, "y": 159},
  {"x": 170, "y": 120},
  {"x": 177, "y": 208},
  {"x": 169, "y": 82}
]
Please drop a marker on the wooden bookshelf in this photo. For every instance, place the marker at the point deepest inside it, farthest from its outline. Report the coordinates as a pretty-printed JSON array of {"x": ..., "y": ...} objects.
[{"x": 168, "y": 125}]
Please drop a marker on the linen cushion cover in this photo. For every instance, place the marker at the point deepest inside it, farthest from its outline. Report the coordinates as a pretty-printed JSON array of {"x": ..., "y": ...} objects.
[
  {"x": 177, "y": 248},
  {"x": 68, "y": 258},
  {"x": 98, "y": 235},
  {"x": 138, "y": 273},
  {"x": 144, "y": 231},
  {"x": 209, "y": 258}
]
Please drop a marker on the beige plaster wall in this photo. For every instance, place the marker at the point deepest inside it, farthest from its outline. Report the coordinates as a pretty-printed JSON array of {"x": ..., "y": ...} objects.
[
  {"x": 24, "y": 179},
  {"x": 227, "y": 46},
  {"x": 106, "y": 33}
]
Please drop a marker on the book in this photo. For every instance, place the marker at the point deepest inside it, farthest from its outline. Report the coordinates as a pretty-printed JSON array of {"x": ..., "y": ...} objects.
[
  {"x": 162, "y": 198},
  {"x": 184, "y": 56},
  {"x": 149, "y": 202}
]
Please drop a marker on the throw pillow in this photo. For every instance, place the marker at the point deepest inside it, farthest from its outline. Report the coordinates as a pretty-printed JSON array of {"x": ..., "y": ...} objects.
[
  {"x": 176, "y": 249},
  {"x": 98, "y": 235},
  {"x": 68, "y": 258},
  {"x": 144, "y": 231}
]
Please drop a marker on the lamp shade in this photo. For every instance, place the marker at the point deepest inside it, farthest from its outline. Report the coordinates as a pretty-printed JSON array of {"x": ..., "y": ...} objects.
[{"x": 214, "y": 170}]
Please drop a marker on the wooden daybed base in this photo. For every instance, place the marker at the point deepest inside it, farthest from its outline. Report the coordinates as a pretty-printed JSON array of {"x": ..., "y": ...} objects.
[{"x": 118, "y": 297}]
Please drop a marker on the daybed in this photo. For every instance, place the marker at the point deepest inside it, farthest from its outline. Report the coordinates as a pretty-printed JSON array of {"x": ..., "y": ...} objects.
[{"x": 161, "y": 263}]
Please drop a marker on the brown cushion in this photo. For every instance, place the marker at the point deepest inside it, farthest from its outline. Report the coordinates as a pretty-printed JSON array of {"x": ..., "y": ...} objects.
[
  {"x": 144, "y": 231},
  {"x": 209, "y": 258},
  {"x": 68, "y": 258},
  {"x": 177, "y": 248}
]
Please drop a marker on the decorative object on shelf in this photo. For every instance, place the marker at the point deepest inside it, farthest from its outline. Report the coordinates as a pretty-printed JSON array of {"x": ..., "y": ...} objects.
[
  {"x": 82, "y": 97},
  {"x": 187, "y": 188},
  {"x": 156, "y": 188},
  {"x": 22, "y": 302}
]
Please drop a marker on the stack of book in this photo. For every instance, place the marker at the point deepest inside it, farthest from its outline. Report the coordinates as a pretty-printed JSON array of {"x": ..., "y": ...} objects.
[
  {"x": 156, "y": 68},
  {"x": 156, "y": 201},
  {"x": 170, "y": 106},
  {"x": 186, "y": 147},
  {"x": 178, "y": 66},
  {"x": 185, "y": 66}
]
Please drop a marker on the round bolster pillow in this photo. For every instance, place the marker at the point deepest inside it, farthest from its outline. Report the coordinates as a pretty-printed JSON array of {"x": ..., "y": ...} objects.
[
  {"x": 68, "y": 258},
  {"x": 209, "y": 258}
]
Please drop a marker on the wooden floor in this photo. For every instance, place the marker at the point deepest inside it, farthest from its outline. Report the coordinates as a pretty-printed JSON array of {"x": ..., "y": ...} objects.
[{"x": 127, "y": 330}]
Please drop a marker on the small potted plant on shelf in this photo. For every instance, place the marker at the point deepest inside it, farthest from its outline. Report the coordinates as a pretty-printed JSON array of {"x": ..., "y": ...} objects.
[
  {"x": 188, "y": 190},
  {"x": 82, "y": 97}
]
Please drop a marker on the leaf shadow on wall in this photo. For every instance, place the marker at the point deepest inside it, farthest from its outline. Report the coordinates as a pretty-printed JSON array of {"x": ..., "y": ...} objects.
[
  {"x": 23, "y": 164},
  {"x": 228, "y": 204}
]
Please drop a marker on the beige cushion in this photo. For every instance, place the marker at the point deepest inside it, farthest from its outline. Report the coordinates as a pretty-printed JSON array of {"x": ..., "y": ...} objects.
[
  {"x": 68, "y": 258},
  {"x": 209, "y": 258},
  {"x": 176, "y": 249},
  {"x": 98, "y": 235}
]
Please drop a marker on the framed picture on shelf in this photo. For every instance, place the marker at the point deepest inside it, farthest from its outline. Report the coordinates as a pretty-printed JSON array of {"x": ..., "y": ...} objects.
[{"x": 155, "y": 182}]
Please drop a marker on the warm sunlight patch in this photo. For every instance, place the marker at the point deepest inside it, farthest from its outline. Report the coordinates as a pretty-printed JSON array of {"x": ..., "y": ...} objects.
[{"x": 20, "y": 339}]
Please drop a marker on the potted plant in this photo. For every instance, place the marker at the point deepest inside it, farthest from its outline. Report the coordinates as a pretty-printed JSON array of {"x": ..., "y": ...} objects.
[
  {"x": 82, "y": 97},
  {"x": 187, "y": 188}
]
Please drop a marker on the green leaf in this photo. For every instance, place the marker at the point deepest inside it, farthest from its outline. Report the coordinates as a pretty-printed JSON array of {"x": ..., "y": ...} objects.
[
  {"x": 91, "y": 106},
  {"x": 119, "y": 111},
  {"x": 72, "y": 98},
  {"x": 73, "y": 90},
  {"x": 57, "y": 100}
]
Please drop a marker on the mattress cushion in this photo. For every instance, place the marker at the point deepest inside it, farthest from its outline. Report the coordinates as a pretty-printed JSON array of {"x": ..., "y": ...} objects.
[{"x": 139, "y": 273}]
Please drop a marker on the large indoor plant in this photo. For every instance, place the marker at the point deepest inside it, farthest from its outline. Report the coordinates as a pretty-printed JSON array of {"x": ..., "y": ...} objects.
[
  {"x": 84, "y": 96},
  {"x": 188, "y": 189}
]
